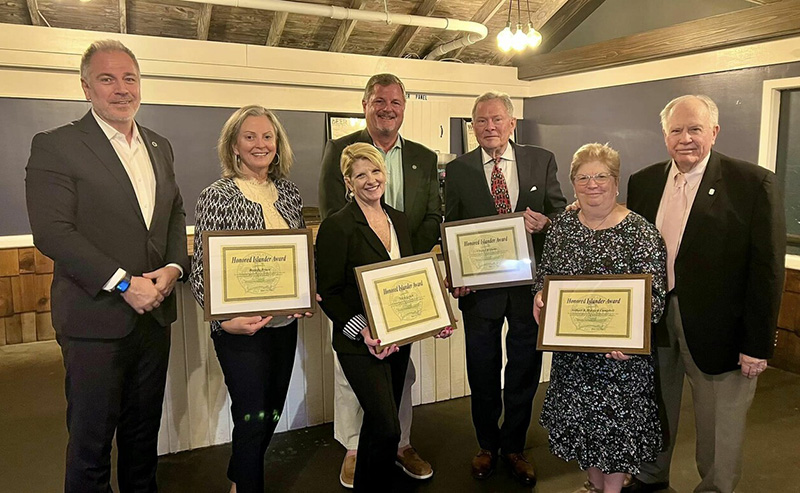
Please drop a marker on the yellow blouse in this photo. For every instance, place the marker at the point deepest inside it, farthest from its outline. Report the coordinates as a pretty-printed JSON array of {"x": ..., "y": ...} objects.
[{"x": 265, "y": 194}]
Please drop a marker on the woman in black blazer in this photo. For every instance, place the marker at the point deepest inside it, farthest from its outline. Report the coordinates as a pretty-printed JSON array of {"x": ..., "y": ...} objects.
[{"x": 363, "y": 232}]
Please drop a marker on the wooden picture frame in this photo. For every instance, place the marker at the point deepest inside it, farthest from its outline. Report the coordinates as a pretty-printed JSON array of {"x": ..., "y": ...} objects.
[
  {"x": 596, "y": 313},
  {"x": 404, "y": 299},
  {"x": 488, "y": 252},
  {"x": 261, "y": 272}
]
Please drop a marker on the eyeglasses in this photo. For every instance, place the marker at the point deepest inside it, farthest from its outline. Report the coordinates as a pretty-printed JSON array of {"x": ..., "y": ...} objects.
[{"x": 599, "y": 178}]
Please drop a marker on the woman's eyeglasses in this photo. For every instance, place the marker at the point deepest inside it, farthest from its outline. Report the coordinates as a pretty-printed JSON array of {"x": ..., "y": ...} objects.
[{"x": 599, "y": 178}]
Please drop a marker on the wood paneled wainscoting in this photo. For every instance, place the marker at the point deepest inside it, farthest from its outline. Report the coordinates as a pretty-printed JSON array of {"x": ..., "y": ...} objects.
[
  {"x": 196, "y": 405},
  {"x": 25, "y": 278}
]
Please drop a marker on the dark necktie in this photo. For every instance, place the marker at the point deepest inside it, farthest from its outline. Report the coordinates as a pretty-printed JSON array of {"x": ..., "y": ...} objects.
[{"x": 502, "y": 202}]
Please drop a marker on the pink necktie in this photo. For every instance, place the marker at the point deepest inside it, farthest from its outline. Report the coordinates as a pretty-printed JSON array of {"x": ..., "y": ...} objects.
[
  {"x": 672, "y": 226},
  {"x": 502, "y": 202}
]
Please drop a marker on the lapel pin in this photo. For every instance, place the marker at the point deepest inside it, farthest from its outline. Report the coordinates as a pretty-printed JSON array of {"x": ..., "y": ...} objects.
[
  {"x": 711, "y": 191},
  {"x": 154, "y": 143},
  {"x": 413, "y": 166},
  {"x": 533, "y": 188}
]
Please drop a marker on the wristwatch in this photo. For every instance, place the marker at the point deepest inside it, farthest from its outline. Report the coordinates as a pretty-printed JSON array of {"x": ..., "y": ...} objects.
[{"x": 124, "y": 284}]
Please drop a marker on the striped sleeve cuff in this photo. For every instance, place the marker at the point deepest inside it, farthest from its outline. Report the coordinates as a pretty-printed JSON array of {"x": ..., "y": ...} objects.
[{"x": 352, "y": 329}]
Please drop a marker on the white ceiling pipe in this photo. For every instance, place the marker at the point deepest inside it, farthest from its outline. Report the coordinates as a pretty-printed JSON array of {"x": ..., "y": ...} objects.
[{"x": 475, "y": 30}]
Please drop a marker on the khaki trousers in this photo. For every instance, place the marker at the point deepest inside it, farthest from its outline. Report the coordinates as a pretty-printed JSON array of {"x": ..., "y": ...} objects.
[
  {"x": 720, "y": 402},
  {"x": 347, "y": 412}
]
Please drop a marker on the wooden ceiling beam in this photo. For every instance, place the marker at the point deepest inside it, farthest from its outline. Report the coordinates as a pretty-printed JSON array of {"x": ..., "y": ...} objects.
[
  {"x": 756, "y": 24},
  {"x": 345, "y": 29},
  {"x": 276, "y": 28},
  {"x": 123, "y": 17},
  {"x": 563, "y": 22},
  {"x": 482, "y": 16},
  {"x": 203, "y": 21},
  {"x": 33, "y": 10},
  {"x": 405, "y": 35}
]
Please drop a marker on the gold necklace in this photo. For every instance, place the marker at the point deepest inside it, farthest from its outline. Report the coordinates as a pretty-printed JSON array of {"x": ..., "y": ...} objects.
[{"x": 602, "y": 221}]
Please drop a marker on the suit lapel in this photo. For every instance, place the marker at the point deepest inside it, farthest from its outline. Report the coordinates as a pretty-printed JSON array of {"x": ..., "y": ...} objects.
[
  {"x": 369, "y": 235},
  {"x": 98, "y": 144},
  {"x": 365, "y": 137},
  {"x": 702, "y": 202},
  {"x": 524, "y": 176},
  {"x": 482, "y": 191},
  {"x": 654, "y": 193},
  {"x": 400, "y": 228},
  {"x": 411, "y": 176},
  {"x": 160, "y": 173}
]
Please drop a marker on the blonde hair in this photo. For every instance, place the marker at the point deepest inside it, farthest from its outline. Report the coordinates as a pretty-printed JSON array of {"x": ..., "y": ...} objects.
[
  {"x": 104, "y": 45},
  {"x": 357, "y": 151},
  {"x": 231, "y": 166},
  {"x": 602, "y": 153}
]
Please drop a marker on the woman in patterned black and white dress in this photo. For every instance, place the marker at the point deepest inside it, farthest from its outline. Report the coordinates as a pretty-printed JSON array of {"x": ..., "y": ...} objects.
[
  {"x": 600, "y": 409},
  {"x": 256, "y": 353}
]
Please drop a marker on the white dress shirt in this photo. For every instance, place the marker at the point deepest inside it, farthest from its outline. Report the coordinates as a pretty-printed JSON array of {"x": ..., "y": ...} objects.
[
  {"x": 136, "y": 161},
  {"x": 508, "y": 166}
]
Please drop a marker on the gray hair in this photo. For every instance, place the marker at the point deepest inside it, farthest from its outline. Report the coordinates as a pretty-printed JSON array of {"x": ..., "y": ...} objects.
[
  {"x": 490, "y": 95},
  {"x": 711, "y": 107},
  {"x": 104, "y": 45},
  {"x": 382, "y": 80}
]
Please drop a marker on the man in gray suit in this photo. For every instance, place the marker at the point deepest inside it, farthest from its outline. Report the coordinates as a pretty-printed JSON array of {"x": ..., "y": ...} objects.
[
  {"x": 104, "y": 205},
  {"x": 412, "y": 187}
]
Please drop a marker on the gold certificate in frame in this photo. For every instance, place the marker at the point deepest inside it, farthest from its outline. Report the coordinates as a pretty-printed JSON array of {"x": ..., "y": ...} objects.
[
  {"x": 488, "y": 252},
  {"x": 265, "y": 272},
  {"x": 596, "y": 314},
  {"x": 404, "y": 299}
]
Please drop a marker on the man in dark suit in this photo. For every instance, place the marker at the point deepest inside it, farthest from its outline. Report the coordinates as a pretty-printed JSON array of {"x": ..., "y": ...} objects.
[
  {"x": 104, "y": 205},
  {"x": 723, "y": 223},
  {"x": 499, "y": 177},
  {"x": 412, "y": 187}
]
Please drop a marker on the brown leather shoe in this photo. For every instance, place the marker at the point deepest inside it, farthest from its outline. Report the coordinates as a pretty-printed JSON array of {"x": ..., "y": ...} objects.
[
  {"x": 348, "y": 472},
  {"x": 483, "y": 464},
  {"x": 521, "y": 468},
  {"x": 414, "y": 465}
]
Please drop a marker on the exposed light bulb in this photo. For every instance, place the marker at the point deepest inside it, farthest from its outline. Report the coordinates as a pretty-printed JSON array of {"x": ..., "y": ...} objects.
[
  {"x": 534, "y": 37},
  {"x": 519, "y": 41},
  {"x": 505, "y": 38}
]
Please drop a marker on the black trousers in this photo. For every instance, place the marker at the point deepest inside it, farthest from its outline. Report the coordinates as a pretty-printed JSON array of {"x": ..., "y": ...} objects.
[
  {"x": 257, "y": 371},
  {"x": 378, "y": 385},
  {"x": 484, "y": 364},
  {"x": 115, "y": 385}
]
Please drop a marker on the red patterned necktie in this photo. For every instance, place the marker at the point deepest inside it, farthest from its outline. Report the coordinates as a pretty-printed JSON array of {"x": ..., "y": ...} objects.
[{"x": 502, "y": 202}]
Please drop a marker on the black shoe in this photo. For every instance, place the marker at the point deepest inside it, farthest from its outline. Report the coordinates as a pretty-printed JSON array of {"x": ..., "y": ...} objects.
[{"x": 637, "y": 486}]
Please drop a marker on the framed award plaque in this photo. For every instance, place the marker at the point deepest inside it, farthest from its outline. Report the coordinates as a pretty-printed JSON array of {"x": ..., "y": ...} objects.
[
  {"x": 404, "y": 299},
  {"x": 598, "y": 314},
  {"x": 267, "y": 272},
  {"x": 488, "y": 252}
]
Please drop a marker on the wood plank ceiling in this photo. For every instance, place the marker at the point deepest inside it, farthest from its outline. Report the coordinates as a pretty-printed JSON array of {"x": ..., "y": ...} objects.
[{"x": 767, "y": 19}]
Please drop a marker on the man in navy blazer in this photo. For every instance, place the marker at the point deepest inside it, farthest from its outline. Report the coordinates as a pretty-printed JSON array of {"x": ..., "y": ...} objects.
[
  {"x": 104, "y": 205},
  {"x": 727, "y": 248},
  {"x": 530, "y": 176}
]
